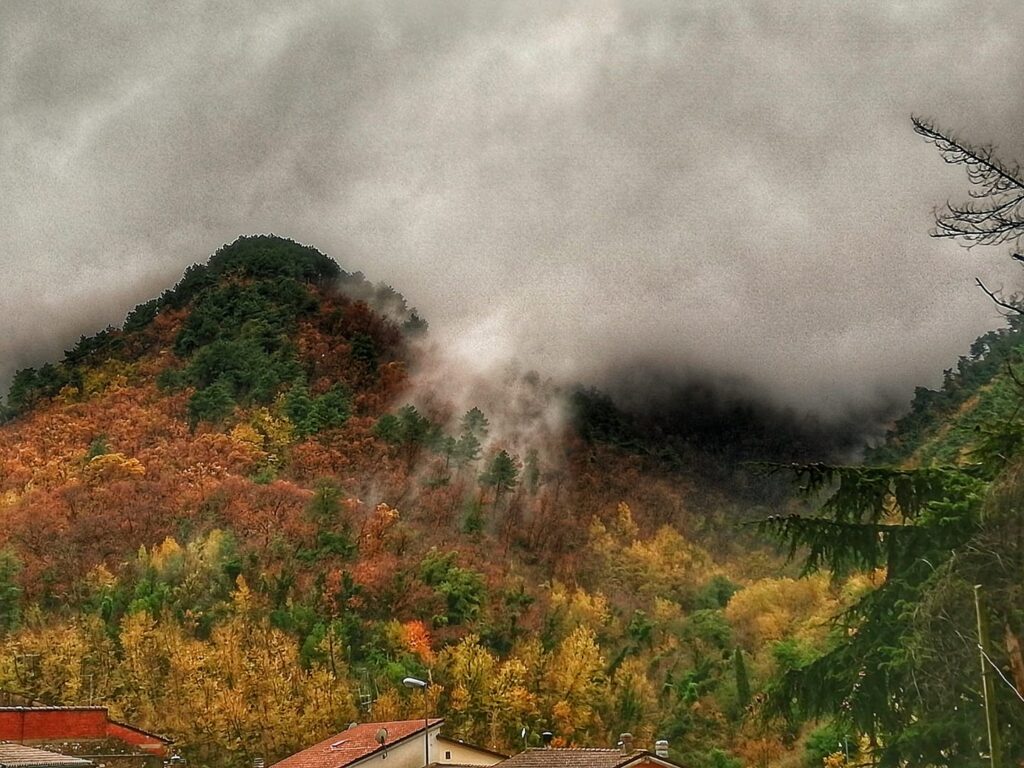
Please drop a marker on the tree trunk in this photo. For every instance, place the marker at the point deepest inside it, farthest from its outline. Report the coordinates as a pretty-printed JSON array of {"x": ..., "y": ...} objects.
[{"x": 1013, "y": 650}]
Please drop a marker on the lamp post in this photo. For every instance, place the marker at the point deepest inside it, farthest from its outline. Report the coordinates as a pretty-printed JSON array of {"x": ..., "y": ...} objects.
[{"x": 415, "y": 682}]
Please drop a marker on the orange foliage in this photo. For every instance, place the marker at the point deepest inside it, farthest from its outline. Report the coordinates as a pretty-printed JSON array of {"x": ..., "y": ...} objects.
[
  {"x": 265, "y": 515},
  {"x": 417, "y": 639}
]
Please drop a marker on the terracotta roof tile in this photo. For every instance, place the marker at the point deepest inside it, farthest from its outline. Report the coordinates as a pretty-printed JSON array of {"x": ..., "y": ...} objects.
[
  {"x": 354, "y": 744},
  {"x": 575, "y": 757},
  {"x": 19, "y": 756}
]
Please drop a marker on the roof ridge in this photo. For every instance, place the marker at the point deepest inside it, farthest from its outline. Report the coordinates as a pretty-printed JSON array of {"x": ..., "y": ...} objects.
[
  {"x": 143, "y": 731},
  {"x": 50, "y": 707},
  {"x": 358, "y": 742}
]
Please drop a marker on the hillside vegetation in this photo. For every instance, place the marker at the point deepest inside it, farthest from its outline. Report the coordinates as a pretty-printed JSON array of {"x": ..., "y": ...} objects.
[
  {"x": 243, "y": 517},
  {"x": 238, "y": 520}
]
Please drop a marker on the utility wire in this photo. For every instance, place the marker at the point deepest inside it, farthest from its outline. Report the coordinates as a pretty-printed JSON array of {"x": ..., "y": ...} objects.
[
  {"x": 994, "y": 666},
  {"x": 1000, "y": 672}
]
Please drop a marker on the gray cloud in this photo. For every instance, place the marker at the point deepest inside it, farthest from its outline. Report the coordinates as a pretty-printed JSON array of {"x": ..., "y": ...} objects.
[{"x": 724, "y": 188}]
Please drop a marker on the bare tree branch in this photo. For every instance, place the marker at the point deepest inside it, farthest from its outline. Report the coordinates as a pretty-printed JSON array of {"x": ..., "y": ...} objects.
[
  {"x": 1004, "y": 304},
  {"x": 995, "y": 213}
]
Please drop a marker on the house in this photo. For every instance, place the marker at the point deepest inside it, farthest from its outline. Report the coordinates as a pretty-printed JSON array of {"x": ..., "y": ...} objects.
[
  {"x": 83, "y": 731},
  {"x": 457, "y": 752},
  {"x": 20, "y": 756},
  {"x": 395, "y": 744},
  {"x": 588, "y": 757}
]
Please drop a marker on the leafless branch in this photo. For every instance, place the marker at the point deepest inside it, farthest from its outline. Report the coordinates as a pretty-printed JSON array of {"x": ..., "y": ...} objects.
[
  {"x": 995, "y": 214},
  {"x": 1000, "y": 302}
]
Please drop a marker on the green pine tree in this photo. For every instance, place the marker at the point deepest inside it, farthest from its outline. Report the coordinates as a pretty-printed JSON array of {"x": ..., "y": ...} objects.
[
  {"x": 10, "y": 592},
  {"x": 906, "y": 524},
  {"x": 501, "y": 474},
  {"x": 742, "y": 681}
]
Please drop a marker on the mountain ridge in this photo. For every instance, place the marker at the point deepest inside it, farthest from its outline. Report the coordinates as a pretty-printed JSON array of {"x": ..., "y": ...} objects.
[{"x": 250, "y": 490}]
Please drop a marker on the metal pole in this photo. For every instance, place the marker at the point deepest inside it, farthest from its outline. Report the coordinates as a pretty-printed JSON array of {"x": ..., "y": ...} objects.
[
  {"x": 415, "y": 682},
  {"x": 995, "y": 749}
]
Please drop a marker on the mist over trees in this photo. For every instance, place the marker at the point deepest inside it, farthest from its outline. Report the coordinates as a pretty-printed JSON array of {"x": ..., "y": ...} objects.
[
  {"x": 246, "y": 474},
  {"x": 901, "y": 668}
]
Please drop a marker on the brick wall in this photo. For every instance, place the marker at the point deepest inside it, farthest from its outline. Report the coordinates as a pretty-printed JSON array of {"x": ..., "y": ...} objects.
[
  {"x": 37, "y": 724},
  {"x": 136, "y": 738}
]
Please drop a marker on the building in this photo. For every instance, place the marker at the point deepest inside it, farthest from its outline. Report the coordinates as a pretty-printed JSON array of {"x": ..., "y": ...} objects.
[
  {"x": 86, "y": 732},
  {"x": 20, "y": 756},
  {"x": 587, "y": 757},
  {"x": 395, "y": 744},
  {"x": 457, "y": 752}
]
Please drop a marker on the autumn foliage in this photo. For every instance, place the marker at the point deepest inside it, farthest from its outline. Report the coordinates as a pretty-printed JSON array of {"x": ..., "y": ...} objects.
[{"x": 237, "y": 521}]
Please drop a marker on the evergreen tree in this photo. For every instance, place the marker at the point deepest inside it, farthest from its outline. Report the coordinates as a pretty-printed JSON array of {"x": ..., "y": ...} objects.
[
  {"x": 416, "y": 429},
  {"x": 474, "y": 426},
  {"x": 364, "y": 350},
  {"x": 333, "y": 408},
  {"x": 388, "y": 428},
  {"x": 214, "y": 404},
  {"x": 10, "y": 592},
  {"x": 475, "y": 423},
  {"x": 298, "y": 407},
  {"x": 899, "y": 665},
  {"x": 531, "y": 471},
  {"x": 501, "y": 473},
  {"x": 467, "y": 449},
  {"x": 905, "y": 524},
  {"x": 742, "y": 681}
]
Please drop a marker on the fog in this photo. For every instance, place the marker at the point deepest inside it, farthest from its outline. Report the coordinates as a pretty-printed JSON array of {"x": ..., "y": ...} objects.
[{"x": 630, "y": 194}]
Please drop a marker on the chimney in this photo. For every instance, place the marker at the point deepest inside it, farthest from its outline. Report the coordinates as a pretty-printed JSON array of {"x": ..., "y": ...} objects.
[
  {"x": 661, "y": 748},
  {"x": 546, "y": 737},
  {"x": 626, "y": 743}
]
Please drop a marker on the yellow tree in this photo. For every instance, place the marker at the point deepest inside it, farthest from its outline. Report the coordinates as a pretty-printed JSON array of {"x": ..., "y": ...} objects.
[
  {"x": 62, "y": 662},
  {"x": 574, "y": 687},
  {"x": 469, "y": 670},
  {"x": 142, "y": 672},
  {"x": 513, "y": 705}
]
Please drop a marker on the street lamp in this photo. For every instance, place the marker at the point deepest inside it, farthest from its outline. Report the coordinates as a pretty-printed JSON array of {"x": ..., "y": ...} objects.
[{"x": 415, "y": 682}]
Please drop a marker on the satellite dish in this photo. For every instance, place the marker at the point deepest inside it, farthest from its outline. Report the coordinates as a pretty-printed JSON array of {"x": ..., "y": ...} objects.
[{"x": 382, "y": 736}]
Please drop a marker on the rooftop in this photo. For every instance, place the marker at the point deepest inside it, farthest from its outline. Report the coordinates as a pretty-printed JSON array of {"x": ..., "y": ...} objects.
[
  {"x": 442, "y": 739},
  {"x": 355, "y": 743},
  {"x": 19, "y": 756},
  {"x": 579, "y": 757}
]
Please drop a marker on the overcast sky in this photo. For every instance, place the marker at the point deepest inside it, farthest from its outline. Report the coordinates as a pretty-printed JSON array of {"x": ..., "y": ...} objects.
[{"x": 730, "y": 189}]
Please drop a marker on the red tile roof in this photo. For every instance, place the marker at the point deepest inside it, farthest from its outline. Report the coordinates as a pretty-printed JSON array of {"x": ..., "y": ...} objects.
[
  {"x": 577, "y": 757},
  {"x": 354, "y": 744},
  {"x": 20, "y": 756}
]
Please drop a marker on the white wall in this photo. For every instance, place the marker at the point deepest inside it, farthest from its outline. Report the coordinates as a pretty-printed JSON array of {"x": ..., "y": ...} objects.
[
  {"x": 451, "y": 751},
  {"x": 409, "y": 753},
  {"x": 405, "y": 754}
]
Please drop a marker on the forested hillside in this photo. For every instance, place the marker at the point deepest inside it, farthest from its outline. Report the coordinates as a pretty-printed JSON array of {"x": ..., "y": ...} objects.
[
  {"x": 936, "y": 517},
  {"x": 926, "y": 668},
  {"x": 239, "y": 520},
  {"x": 976, "y": 403},
  {"x": 244, "y": 516}
]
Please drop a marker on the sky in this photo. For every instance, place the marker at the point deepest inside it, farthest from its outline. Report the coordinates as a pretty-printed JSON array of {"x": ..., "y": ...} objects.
[{"x": 619, "y": 193}]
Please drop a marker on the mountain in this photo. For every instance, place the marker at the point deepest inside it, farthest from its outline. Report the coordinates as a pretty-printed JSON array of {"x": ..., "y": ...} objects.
[
  {"x": 244, "y": 516},
  {"x": 973, "y": 410}
]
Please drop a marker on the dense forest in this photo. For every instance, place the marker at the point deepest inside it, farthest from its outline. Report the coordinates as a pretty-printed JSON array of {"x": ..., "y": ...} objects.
[
  {"x": 242, "y": 517},
  {"x": 237, "y": 520}
]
